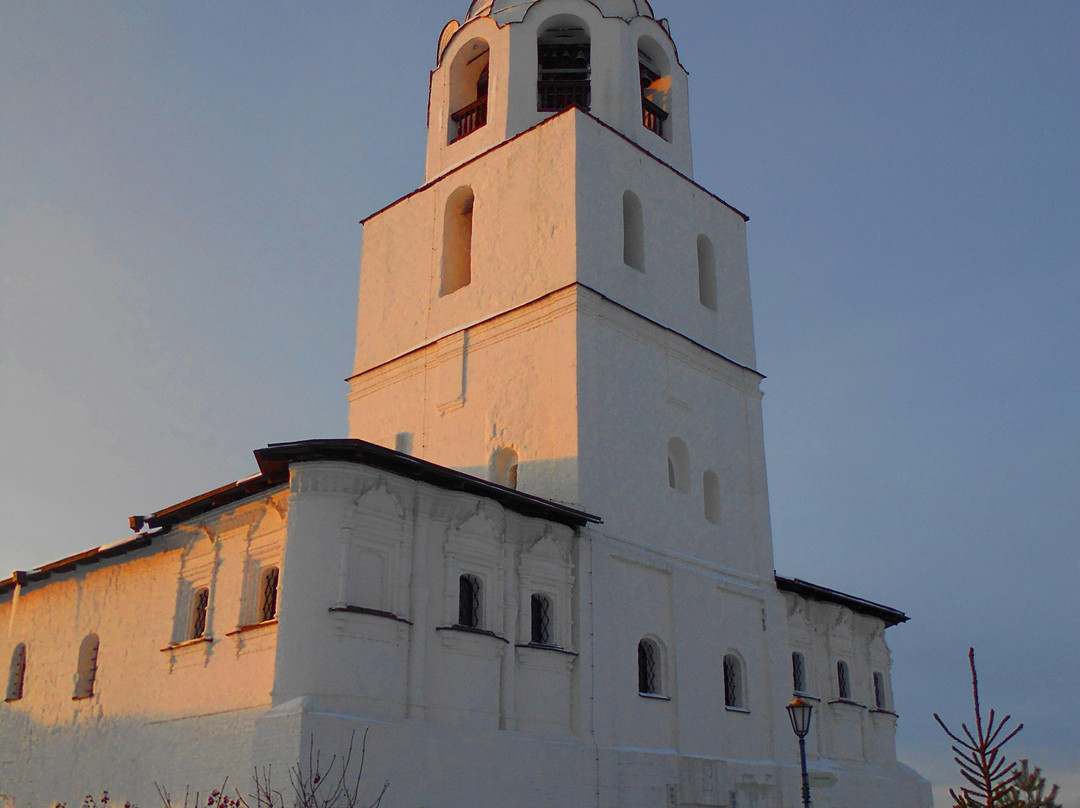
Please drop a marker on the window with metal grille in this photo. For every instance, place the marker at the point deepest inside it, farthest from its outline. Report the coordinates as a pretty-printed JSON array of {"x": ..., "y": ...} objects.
[
  {"x": 17, "y": 673},
  {"x": 564, "y": 70},
  {"x": 268, "y": 591},
  {"x": 880, "y": 701},
  {"x": 733, "y": 683},
  {"x": 86, "y": 674},
  {"x": 798, "y": 672},
  {"x": 541, "y": 620},
  {"x": 843, "y": 680},
  {"x": 469, "y": 603},
  {"x": 648, "y": 667},
  {"x": 200, "y": 605}
]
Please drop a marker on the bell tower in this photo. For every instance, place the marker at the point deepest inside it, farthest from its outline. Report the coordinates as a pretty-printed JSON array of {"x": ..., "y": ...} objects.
[{"x": 561, "y": 308}]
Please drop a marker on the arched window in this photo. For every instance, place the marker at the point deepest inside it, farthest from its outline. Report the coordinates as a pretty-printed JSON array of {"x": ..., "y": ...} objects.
[
  {"x": 542, "y": 620},
  {"x": 268, "y": 594},
  {"x": 504, "y": 468},
  {"x": 678, "y": 460},
  {"x": 655, "y": 73},
  {"x": 86, "y": 674},
  {"x": 633, "y": 232},
  {"x": 648, "y": 668},
  {"x": 710, "y": 485},
  {"x": 200, "y": 608},
  {"x": 843, "y": 680},
  {"x": 881, "y": 701},
  {"x": 468, "y": 90},
  {"x": 457, "y": 241},
  {"x": 734, "y": 686},
  {"x": 563, "y": 65},
  {"x": 17, "y": 673},
  {"x": 469, "y": 601},
  {"x": 706, "y": 264},
  {"x": 798, "y": 672}
]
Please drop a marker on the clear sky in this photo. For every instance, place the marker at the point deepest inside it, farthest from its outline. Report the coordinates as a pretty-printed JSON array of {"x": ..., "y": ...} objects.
[{"x": 180, "y": 185}]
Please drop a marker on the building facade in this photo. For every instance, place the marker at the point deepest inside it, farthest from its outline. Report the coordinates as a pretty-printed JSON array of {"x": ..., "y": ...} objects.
[{"x": 540, "y": 570}]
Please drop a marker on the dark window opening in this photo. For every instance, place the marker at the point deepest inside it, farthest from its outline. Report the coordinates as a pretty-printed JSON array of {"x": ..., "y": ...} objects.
[
  {"x": 17, "y": 674},
  {"x": 648, "y": 663},
  {"x": 268, "y": 595},
  {"x": 733, "y": 683},
  {"x": 843, "y": 680},
  {"x": 541, "y": 620},
  {"x": 200, "y": 605},
  {"x": 469, "y": 601},
  {"x": 880, "y": 701},
  {"x": 798, "y": 672},
  {"x": 87, "y": 671}
]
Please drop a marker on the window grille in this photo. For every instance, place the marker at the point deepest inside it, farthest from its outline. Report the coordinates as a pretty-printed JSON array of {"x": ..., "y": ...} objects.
[
  {"x": 541, "y": 620},
  {"x": 843, "y": 680},
  {"x": 17, "y": 673},
  {"x": 733, "y": 684},
  {"x": 879, "y": 691},
  {"x": 200, "y": 605},
  {"x": 798, "y": 672},
  {"x": 469, "y": 601},
  {"x": 268, "y": 595},
  {"x": 648, "y": 661},
  {"x": 87, "y": 671}
]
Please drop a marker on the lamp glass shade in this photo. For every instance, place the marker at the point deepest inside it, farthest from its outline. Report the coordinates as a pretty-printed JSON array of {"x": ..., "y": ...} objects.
[{"x": 799, "y": 713}]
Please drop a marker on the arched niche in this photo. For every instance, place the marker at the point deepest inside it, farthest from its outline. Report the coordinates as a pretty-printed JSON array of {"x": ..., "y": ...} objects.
[{"x": 457, "y": 241}]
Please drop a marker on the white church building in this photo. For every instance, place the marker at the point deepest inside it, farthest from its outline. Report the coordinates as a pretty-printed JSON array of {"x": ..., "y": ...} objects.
[{"x": 539, "y": 572}]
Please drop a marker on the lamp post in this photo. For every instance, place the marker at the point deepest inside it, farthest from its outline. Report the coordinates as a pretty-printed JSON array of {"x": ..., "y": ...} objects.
[{"x": 799, "y": 713}]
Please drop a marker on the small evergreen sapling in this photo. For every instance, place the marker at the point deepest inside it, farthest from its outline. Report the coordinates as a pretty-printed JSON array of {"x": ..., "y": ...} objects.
[
  {"x": 990, "y": 775},
  {"x": 1029, "y": 788}
]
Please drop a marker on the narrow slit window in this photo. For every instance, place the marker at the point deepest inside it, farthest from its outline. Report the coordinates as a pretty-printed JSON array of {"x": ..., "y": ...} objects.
[
  {"x": 17, "y": 673},
  {"x": 648, "y": 654},
  {"x": 541, "y": 620},
  {"x": 706, "y": 259},
  {"x": 678, "y": 458},
  {"x": 633, "y": 232},
  {"x": 798, "y": 672},
  {"x": 710, "y": 485},
  {"x": 86, "y": 674},
  {"x": 469, "y": 601},
  {"x": 734, "y": 687},
  {"x": 457, "y": 242},
  {"x": 843, "y": 680},
  {"x": 268, "y": 594}
]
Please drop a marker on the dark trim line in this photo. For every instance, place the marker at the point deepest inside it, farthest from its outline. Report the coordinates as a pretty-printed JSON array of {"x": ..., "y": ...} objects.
[
  {"x": 367, "y": 611},
  {"x": 811, "y": 591},
  {"x": 483, "y": 632},
  {"x": 544, "y": 296}
]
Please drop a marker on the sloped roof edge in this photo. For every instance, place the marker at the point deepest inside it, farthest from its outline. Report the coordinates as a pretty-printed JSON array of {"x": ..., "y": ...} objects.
[{"x": 816, "y": 592}]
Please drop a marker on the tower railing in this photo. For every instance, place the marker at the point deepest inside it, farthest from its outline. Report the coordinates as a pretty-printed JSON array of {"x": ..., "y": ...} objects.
[
  {"x": 555, "y": 96},
  {"x": 469, "y": 118},
  {"x": 653, "y": 117}
]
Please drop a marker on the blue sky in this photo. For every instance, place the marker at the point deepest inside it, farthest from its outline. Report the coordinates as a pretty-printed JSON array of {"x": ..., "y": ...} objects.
[{"x": 180, "y": 185}]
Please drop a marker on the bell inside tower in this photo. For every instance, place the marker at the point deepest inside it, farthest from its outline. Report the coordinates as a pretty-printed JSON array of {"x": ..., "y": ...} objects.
[{"x": 564, "y": 66}]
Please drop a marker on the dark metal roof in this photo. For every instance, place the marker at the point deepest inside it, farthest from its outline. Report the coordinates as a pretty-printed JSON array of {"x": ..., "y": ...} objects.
[
  {"x": 815, "y": 592},
  {"x": 274, "y": 462}
]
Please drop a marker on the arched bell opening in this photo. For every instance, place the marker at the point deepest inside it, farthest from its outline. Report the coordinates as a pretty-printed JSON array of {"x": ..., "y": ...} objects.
[
  {"x": 468, "y": 89},
  {"x": 654, "y": 71},
  {"x": 564, "y": 65}
]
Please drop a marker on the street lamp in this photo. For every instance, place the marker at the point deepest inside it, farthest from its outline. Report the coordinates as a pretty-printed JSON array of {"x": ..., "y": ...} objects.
[{"x": 799, "y": 713}]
